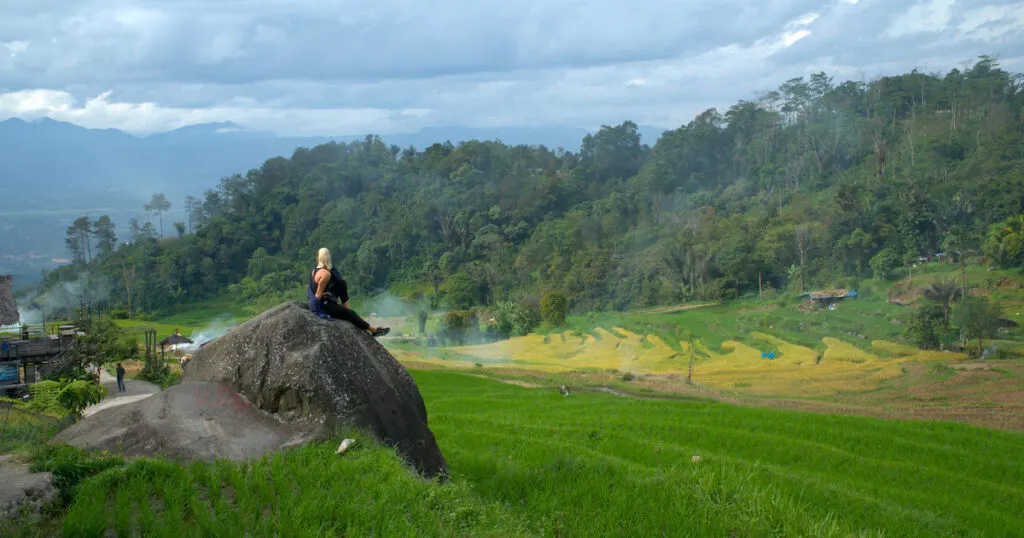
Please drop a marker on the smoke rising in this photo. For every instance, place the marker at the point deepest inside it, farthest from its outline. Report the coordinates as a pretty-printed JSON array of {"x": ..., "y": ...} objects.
[
  {"x": 388, "y": 305},
  {"x": 220, "y": 325},
  {"x": 86, "y": 291}
]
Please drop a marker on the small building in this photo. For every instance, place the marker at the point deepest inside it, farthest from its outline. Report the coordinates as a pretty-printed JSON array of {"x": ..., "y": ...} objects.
[{"x": 29, "y": 352}]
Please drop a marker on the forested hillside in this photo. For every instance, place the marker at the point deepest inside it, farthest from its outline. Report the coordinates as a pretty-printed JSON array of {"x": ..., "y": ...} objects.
[{"x": 817, "y": 183}]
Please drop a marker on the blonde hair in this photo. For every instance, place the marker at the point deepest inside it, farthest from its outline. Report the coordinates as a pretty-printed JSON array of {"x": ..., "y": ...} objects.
[{"x": 323, "y": 258}]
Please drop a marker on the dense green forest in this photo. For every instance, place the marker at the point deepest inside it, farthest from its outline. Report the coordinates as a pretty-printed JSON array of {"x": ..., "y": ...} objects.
[{"x": 818, "y": 183}]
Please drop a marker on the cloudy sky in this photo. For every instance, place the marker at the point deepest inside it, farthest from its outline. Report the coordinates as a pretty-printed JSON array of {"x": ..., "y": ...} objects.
[{"x": 330, "y": 67}]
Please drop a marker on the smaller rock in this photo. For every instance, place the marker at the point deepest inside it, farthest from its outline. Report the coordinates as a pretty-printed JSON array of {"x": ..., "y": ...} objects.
[
  {"x": 22, "y": 491},
  {"x": 345, "y": 444}
]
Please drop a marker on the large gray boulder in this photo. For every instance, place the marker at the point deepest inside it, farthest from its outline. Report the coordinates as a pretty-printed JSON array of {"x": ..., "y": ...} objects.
[{"x": 317, "y": 375}]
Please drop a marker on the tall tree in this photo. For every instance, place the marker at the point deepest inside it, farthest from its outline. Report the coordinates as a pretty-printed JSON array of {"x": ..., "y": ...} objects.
[
  {"x": 136, "y": 228},
  {"x": 803, "y": 234},
  {"x": 106, "y": 239},
  {"x": 193, "y": 208},
  {"x": 613, "y": 152},
  {"x": 79, "y": 240},
  {"x": 159, "y": 204},
  {"x": 943, "y": 293},
  {"x": 128, "y": 277}
]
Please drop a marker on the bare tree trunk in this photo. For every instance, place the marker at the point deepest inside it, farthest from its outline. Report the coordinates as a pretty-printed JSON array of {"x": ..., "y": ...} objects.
[
  {"x": 963, "y": 277},
  {"x": 803, "y": 240},
  {"x": 129, "y": 282},
  {"x": 910, "y": 139}
]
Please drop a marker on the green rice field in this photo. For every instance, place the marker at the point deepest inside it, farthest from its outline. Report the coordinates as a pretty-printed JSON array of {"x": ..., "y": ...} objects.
[{"x": 530, "y": 462}]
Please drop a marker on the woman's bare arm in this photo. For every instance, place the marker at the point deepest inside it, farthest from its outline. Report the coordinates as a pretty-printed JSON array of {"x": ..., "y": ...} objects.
[{"x": 322, "y": 277}]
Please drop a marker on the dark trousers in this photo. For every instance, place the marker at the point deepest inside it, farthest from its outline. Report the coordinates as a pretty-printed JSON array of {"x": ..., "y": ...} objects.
[
  {"x": 338, "y": 311},
  {"x": 120, "y": 385}
]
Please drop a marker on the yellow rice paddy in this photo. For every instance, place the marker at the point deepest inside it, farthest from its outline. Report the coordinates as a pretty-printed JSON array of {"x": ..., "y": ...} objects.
[{"x": 796, "y": 370}]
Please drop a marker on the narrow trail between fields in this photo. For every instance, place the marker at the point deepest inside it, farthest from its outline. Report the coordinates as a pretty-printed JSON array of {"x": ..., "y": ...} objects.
[{"x": 136, "y": 390}]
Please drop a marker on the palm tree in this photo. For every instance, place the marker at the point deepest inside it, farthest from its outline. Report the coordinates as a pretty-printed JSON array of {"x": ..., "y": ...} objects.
[
  {"x": 943, "y": 292},
  {"x": 159, "y": 204}
]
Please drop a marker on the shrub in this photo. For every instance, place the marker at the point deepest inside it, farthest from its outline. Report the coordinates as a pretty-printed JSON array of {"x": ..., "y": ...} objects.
[
  {"x": 531, "y": 304},
  {"x": 457, "y": 324},
  {"x": 44, "y": 397},
  {"x": 925, "y": 327},
  {"x": 70, "y": 466},
  {"x": 553, "y": 307},
  {"x": 64, "y": 396},
  {"x": 883, "y": 263},
  {"x": 978, "y": 318},
  {"x": 463, "y": 291},
  {"x": 76, "y": 395},
  {"x": 422, "y": 318},
  {"x": 512, "y": 319},
  {"x": 118, "y": 313}
]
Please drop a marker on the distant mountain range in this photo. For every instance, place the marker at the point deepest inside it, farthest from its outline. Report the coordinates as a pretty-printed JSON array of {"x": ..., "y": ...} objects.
[{"x": 52, "y": 172}]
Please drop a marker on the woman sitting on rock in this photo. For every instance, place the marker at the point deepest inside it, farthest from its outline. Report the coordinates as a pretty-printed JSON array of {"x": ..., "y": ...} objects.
[{"x": 327, "y": 288}]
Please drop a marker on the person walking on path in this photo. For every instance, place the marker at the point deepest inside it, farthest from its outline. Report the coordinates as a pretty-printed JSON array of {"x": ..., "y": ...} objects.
[{"x": 120, "y": 379}]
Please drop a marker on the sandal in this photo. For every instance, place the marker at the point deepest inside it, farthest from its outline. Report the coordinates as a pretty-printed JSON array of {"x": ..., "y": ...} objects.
[{"x": 381, "y": 331}]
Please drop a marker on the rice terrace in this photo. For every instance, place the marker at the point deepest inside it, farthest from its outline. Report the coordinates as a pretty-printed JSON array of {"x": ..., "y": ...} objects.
[
  {"x": 579, "y": 431},
  {"x": 798, "y": 314}
]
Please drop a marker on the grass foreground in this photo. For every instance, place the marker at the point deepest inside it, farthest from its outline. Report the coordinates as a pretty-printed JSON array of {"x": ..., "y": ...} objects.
[{"x": 530, "y": 462}]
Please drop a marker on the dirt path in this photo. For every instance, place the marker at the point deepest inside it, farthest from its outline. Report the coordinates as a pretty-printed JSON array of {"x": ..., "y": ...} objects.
[{"x": 136, "y": 390}]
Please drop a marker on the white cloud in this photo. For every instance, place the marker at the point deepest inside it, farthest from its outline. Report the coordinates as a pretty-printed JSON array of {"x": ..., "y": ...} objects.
[
  {"x": 806, "y": 20},
  {"x": 16, "y": 47},
  {"x": 35, "y": 103},
  {"x": 582, "y": 97},
  {"x": 992, "y": 23},
  {"x": 101, "y": 112},
  {"x": 932, "y": 16},
  {"x": 789, "y": 38},
  {"x": 334, "y": 67}
]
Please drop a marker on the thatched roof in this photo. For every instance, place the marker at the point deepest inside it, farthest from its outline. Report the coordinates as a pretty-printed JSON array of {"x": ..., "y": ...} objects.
[
  {"x": 8, "y": 308},
  {"x": 174, "y": 340}
]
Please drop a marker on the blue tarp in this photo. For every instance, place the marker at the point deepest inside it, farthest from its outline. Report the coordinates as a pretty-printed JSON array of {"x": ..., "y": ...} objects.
[{"x": 9, "y": 374}]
